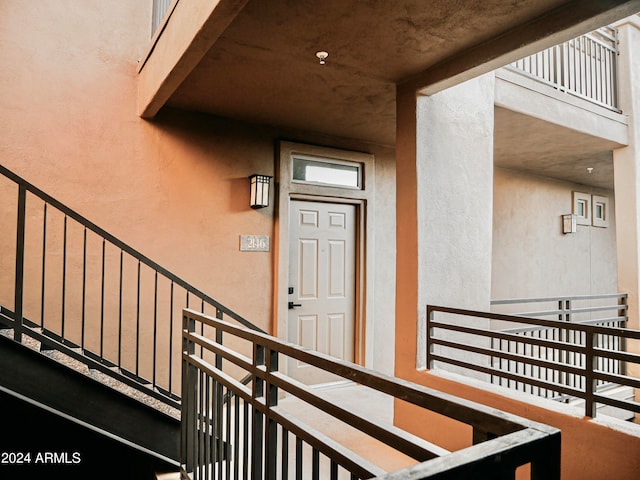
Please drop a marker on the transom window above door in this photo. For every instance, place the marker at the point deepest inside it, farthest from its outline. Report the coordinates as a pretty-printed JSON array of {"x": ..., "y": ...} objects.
[{"x": 327, "y": 172}]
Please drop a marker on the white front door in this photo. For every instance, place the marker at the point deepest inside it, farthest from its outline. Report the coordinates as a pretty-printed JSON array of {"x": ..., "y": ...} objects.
[{"x": 322, "y": 283}]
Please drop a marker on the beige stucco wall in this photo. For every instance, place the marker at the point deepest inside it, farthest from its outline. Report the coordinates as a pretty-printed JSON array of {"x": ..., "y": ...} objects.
[
  {"x": 531, "y": 255},
  {"x": 175, "y": 188},
  {"x": 627, "y": 178}
]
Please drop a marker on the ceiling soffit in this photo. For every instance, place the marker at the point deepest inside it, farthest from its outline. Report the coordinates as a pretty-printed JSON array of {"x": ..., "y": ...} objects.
[{"x": 263, "y": 67}]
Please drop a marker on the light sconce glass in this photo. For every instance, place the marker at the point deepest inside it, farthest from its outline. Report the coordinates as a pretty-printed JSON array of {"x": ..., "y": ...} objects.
[
  {"x": 569, "y": 223},
  {"x": 259, "y": 190}
]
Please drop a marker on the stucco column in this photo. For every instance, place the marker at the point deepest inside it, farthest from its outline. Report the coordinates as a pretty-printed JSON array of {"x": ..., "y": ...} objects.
[
  {"x": 627, "y": 174},
  {"x": 444, "y": 208},
  {"x": 406, "y": 233}
]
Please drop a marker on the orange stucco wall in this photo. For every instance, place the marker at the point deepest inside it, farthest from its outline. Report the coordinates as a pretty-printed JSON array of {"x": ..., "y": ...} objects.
[
  {"x": 166, "y": 187},
  {"x": 590, "y": 451},
  {"x": 175, "y": 187}
]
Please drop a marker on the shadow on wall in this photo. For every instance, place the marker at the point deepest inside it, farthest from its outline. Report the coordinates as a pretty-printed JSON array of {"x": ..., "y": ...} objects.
[{"x": 216, "y": 154}]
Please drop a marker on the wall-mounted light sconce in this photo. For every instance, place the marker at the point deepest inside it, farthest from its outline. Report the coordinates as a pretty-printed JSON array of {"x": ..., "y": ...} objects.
[
  {"x": 569, "y": 223},
  {"x": 259, "y": 190}
]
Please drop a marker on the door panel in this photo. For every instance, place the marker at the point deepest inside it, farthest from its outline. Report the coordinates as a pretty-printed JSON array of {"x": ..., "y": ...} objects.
[
  {"x": 322, "y": 273},
  {"x": 336, "y": 335},
  {"x": 337, "y": 266},
  {"x": 308, "y": 268},
  {"x": 307, "y": 327}
]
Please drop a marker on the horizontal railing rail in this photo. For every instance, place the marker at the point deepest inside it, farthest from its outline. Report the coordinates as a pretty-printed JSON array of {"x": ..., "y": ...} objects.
[
  {"x": 583, "y": 351},
  {"x": 609, "y": 310},
  {"x": 256, "y": 436},
  {"x": 568, "y": 307},
  {"x": 79, "y": 289},
  {"x": 586, "y": 67}
]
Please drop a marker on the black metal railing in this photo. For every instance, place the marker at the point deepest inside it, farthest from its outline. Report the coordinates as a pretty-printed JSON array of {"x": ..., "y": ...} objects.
[
  {"x": 608, "y": 310},
  {"x": 78, "y": 289},
  {"x": 609, "y": 307},
  {"x": 581, "y": 352},
  {"x": 256, "y": 436}
]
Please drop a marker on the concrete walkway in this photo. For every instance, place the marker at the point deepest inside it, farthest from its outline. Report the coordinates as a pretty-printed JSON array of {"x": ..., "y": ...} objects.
[{"x": 367, "y": 402}]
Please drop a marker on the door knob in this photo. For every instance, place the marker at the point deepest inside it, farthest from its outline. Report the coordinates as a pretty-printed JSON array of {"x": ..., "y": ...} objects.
[{"x": 294, "y": 305}]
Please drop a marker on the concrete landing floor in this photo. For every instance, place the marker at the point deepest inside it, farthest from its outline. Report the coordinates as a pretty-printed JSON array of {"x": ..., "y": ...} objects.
[{"x": 369, "y": 403}]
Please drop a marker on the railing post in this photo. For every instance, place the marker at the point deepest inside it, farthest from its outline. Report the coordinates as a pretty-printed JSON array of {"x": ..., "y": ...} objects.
[
  {"x": 218, "y": 441},
  {"x": 19, "y": 278},
  {"x": 219, "y": 316},
  {"x": 590, "y": 382},
  {"x": 614, "y": 71},
  {"x": 565, "y": 306},
  {"x": 257, "y": 430},
  {"x": 430, "y": 319},
  {"x": 622, "y": 301},
  {"x": 271, "y": 433},
  {"x": 564, "y": 338},
  {"x": 546, "y": 462},
  {"x": 188, "y": 408}
]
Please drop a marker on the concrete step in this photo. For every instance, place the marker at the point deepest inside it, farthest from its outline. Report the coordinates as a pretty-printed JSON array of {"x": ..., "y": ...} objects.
[
  {"x": 168, "y": 476},
  {"x": 6, "y": 332}
]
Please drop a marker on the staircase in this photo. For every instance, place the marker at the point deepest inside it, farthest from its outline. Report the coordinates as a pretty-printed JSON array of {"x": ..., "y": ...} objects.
[
  {"x": 37, "y": 385},
  {"x": 81, "y": 452},
  {"x": 90, "y": 335}
]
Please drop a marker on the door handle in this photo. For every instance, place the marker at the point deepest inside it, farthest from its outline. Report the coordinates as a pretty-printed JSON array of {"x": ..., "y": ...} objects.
[{"x": 294, "y": 305}]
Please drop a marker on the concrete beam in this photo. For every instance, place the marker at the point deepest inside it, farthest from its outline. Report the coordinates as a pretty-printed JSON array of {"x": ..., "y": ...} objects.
[
  {"x": 571, "y": 20},
  {"x": 186, "y": 37},
  {"x": 525, "y": 95}
]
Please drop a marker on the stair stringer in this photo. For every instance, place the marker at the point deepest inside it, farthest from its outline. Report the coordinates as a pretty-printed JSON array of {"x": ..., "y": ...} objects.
[{"x": 73, "y": 395}]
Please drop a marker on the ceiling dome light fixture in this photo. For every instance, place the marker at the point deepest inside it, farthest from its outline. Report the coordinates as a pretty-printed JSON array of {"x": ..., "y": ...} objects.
[{"x": 322, "y": 56}]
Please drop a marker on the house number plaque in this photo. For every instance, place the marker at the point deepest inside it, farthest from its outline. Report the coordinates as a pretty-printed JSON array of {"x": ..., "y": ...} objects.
[{"x": 254, "y": 243}]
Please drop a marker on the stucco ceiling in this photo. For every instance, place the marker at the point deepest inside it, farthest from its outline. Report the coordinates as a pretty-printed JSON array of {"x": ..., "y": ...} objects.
[
  {"x": 263, "y": 67},
  {"x": 525, "y": 143}
]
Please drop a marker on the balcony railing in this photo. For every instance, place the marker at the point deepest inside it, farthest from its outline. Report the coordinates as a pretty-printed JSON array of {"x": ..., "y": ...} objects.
[
  {"x": 586, "y": 67},
  {"x": 570, "y": 359},
  {"x": 233, "y": 430},
  {"x": 609, "y": 310},
  {"x": 160, "y": 7}
]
